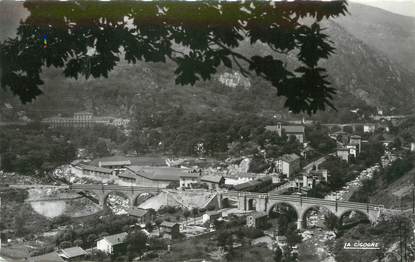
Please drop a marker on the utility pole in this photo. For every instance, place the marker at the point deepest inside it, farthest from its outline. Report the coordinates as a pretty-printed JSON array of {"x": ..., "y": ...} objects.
[
  {"x": 1, "y": 219},
  {"x": 400, "y": 239},
  {"x": 413, "y": 199}
]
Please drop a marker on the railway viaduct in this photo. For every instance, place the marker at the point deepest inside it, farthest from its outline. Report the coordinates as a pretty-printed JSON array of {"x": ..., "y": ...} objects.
[
  {"x": 102, "y": 191},
  {"x": 246, "y": 201},
  {"x": 265, "y": 202}
]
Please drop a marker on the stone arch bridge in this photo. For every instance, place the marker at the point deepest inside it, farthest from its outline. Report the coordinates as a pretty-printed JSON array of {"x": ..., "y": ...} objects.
[
  {"x": 102, "y": 191},
  {"x": 261, "y": 202},
  {"x": 264, "y": 202}
]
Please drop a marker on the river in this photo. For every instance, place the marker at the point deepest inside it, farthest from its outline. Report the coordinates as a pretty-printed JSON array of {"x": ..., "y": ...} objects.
[{"x": 49, "y": 209}]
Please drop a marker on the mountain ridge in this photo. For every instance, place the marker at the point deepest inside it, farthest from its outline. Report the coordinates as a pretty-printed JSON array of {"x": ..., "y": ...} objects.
[{"x": 359, "y": 70}]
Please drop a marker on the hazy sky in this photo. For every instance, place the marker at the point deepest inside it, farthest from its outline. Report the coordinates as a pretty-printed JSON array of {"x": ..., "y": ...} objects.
[{"x": 403, "y": 7}]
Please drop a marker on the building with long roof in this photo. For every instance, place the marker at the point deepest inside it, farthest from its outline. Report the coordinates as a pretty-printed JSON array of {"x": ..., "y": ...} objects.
[{"x": 152, "y": 176}]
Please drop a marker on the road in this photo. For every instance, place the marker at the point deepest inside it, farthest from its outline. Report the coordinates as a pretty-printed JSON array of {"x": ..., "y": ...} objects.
[
  {"x": 316, "y": 162},
  {"x": 37, "y": 186}
]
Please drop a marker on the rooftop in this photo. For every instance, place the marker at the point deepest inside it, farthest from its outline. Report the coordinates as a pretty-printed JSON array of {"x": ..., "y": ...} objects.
[
  {"x": 287, "y": 128},
  {"x": 258, "y": 214},
  {"x": 115, "y": 163},
  {"x": 212, "y": 178},
  {"x": 95, "y": 168},
  {"x": 160, "y": 173},
  {"x": 136, "y": 161},
  {"x": 251, "y": 183},
  {"x": 72, "y": 252},
  {"x": 127, "y": 175},
  {"x": 293, "y": 129},
  {"x": 116, "y": 239},
  {"x": 342, "y": 149},
  {"x": 289, "y": 157},
  {"x": 138, "y": 212},
  {"x": 168, "y": 224},
  {"x": 190, "y": 175},
  {"x": 83, "y": 113},
  {"x": 49, "y": 257}
]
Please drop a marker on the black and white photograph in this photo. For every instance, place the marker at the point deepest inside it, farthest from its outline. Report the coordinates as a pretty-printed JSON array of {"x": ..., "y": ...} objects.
[{"x": 207, "y": 131}]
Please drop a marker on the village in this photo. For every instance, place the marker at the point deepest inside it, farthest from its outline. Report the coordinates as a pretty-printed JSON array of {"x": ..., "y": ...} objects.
[{"x": 159, "y": 204}]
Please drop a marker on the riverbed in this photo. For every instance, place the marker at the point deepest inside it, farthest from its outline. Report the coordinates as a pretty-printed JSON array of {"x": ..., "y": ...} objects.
[{"x": 70, "y": 205}]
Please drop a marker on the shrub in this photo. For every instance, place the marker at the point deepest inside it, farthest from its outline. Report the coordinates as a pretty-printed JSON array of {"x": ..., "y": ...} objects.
[{"x": 65, "y": 244}]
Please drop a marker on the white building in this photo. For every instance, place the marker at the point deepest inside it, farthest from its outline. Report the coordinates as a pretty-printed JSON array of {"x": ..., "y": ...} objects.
[
  {"x": 187, "y": 180},
  {"x": 108, "y": 244},
  {"x": 369, "y": 128},
  {"x": 352, "y": 150},
  {"x": 298, "y": 131},
  {"x": 288, "y": 164}
]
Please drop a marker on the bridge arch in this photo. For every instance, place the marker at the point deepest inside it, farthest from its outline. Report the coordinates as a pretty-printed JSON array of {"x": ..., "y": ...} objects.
[
  {"x": 94, "y": 196},
  {"x": 140, "y": 197},
  {"x": 273, "y": 207},
  {"x": 117, "y": 193},
  {"x": 359, "y": 212},
  {"x": 320, "y": 209}
]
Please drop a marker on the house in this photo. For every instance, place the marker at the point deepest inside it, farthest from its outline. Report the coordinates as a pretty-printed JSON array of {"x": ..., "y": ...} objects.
[
  {"x": 256, "y": 219},
  {"x": 298, "y": 131},
  {"x": 124, "y": 161},
  {"x": 264, "y": 240},
  {"x": 49, "y": 257},
  {"x": 113, "y": 244},
  {"x": 169, "y": 230},
  {"x": 213, "y": 182},
  {"x": 343, "y": 153},
  {"x": 356, "y": 140},
  {"x": 128, "y": 178},
  {"x": 353, "y": 151},
  {"x": 81, "y": 169},
  {"x": 369, "y": 128},
  {"x": 211, "y": 216},
  {"x": 72, "y": 254},
  {"x": 288, "y": 164},
  {"x": 310, "y": 179},
  {"x": 84, "y": 119},
  {"x": 239, "y": 178},
  {"x": 117, "y": 163},
  {"x": 143, "y": 216},
  {"x": 189, "y": 179},
  {"x": 281, "y": 241},
  {"x": 321, "y": 174},
  {"x": 152, "y": 176},
  {"x": 254, "y": 185}
]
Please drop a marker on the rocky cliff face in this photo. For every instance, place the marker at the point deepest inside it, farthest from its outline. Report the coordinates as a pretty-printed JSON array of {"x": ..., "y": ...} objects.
[{"x": 234, "y": 80}]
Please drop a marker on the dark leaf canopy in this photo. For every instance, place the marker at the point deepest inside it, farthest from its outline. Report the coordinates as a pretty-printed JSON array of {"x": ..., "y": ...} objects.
[{"x": 89, "y": 39}]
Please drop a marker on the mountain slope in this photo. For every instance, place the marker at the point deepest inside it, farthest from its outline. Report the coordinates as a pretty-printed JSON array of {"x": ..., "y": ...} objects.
[
  {"x": 360, "y": 71},
  {"x": 367, "y": 73},
  {"x": 390, "y": 33}
]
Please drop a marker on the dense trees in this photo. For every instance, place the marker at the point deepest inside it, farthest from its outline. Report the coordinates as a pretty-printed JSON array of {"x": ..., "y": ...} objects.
[
  {"x": 35, "y": 149},
  {"x": 213, "y": 134},
  {"x": 398, "y": 168},
  {"x": 383, "y": 178},
  {"x": 31, "y": 151},
  {"x": 371, "y": 153},
  {"x": 93, "y": 229},
  {"x": 136, "y": 243},
  {"x": 319, "y": 140}
]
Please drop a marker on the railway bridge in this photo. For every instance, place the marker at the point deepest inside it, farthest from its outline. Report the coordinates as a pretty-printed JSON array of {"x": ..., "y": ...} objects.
[
  {"x": 102, "y": 191},
  {"x": 265, "y": 202},
  {"x": 246, "y": 201}
]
